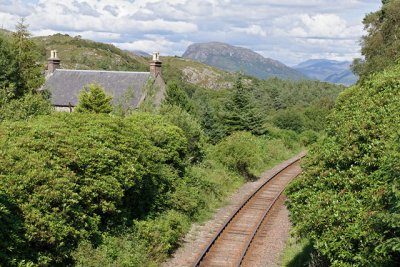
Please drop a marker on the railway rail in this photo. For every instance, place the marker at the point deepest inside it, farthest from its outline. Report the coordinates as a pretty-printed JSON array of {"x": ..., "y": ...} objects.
[{"x": 230, "y": 245}]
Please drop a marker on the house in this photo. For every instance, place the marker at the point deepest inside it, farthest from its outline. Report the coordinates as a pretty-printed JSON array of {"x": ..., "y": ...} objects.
[{"x": 128, "y": 87}]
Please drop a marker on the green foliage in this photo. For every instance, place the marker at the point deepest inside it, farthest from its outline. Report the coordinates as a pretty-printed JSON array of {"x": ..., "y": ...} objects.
[
  {"x": 148, "y": 242},
  {"x": 93, "y": 99},
  {"x": 162, "y": 234},
  {"x": 74, "y": 175},
  {"x": 25, "y": 51},
  {"x": 77, "y": 53},
  {"x": 381, "y": 45},
  {"x": 26, "y": 107},
  {"x": 175, "y": 96},
  {"x": 12, "y": 230},
  {"x": 220, "y": 112},
  {"x": 289, "y": 119},
  {"x": 126, "y": 251},
  {"x": 9, "y": 75},
  {"x": 19, "y": 71},
  {"x": 347, "y": 200},
  {"x": 239, "y": 152},
  {"x": 240, "y": 112},
  {"x": 247, "y": 154},
  {"x": 191, "y": 128}
]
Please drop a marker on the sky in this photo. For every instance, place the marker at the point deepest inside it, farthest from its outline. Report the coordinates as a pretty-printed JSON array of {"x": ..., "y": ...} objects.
[{"x": 290, "y": 31}]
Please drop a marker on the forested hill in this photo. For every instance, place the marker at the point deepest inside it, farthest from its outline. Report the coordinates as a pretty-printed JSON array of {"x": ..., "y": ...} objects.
[
  {"x": 78, "y": 53},
  {"x": 233, "y": 58}
]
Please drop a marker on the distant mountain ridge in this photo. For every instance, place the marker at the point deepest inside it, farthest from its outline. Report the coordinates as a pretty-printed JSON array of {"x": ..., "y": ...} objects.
[
  {"x": 234, "y": 58},
  {"x": 328, "y": 70}
]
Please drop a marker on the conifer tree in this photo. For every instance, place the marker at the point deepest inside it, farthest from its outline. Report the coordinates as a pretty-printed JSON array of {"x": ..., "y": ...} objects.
[
  {"x": 93, "y": 99},
  {"x": 8, "y": 72},
  {"x": 27, "y": 58},
  {"x": 241, "y": 112},
  {"x": 175, "y": 96}
]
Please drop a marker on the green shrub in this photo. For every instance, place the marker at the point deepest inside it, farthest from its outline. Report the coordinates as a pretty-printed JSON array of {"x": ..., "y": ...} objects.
[
  {"x": 249, "y": 155},
  {"x": 93, "y": 99},
  {"x": 191, "y": 128},
  {"x": 308, "y": 137},
  {"x": 347, "y": 200},
  {"x": 238, "y": 152},
  {"x": 125, "y": 250},
  {"x": 289, "y": 119},
  {"x": 26, "y": 107},
  {"x": 162, "y": 233},
  {"x": 74, "y": 175}
]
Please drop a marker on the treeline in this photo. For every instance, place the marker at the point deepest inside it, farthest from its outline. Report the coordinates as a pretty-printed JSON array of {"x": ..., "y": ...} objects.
[
  {"x": 108, "y": 185},
  {"x": 255, "y": 106},
  {"x": 346, "y": 204}
]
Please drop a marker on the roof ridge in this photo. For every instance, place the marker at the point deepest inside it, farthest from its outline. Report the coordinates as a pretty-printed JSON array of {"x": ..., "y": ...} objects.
[{"x": 108, "y": 71}]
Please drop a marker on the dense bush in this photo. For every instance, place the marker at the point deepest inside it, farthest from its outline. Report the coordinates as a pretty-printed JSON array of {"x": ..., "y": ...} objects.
[
  {"x": 347, "y": 200},
  {"x": 26, "y": 107},
  {"x": 93, "y": 99},
  {"x": 247, "y": 154},
  {"x": 289, "y": 119},
  {"x": 191, "y": 128},
  {"x": 72, "y": 176}
]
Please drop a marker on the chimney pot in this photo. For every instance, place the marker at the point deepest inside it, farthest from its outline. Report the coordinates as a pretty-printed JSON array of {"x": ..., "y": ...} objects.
[
  {"x": 155, "y": 65},
  {"x": 53, "y": 62}
]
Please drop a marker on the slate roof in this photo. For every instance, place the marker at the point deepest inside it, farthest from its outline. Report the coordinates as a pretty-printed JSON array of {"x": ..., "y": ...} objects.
[{"x": 65, "y": 85}]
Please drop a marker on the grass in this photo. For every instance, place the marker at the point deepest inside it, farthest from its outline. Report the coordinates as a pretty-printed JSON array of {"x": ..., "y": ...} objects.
[{"x": 297, "y": 253}]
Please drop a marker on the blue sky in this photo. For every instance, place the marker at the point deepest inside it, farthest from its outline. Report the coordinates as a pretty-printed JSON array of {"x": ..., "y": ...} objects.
[{"x": 287, "y": 30}]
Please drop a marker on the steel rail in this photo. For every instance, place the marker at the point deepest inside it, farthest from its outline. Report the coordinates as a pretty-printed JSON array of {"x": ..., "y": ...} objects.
[
  {"x": 253, "y": 235},
  {"x": 211, "y": 243}
]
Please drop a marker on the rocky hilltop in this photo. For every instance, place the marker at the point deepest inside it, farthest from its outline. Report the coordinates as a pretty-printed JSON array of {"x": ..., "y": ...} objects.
[{"x": 234, "y": 58}]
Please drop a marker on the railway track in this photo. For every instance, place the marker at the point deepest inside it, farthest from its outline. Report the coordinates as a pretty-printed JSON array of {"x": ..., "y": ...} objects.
[{"x": 230, "y": 245}]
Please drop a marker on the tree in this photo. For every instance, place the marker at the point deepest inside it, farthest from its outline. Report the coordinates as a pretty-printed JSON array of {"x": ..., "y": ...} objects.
[
  {"x": 175, "y": 96},
  {"x": 27, "y": 58},
  {"x": 9, "y": 75},
  {"x": 381, "y": 46},
  {"x": 240, "y": 111},
  {"x": 93, "y": 99},
  {"x": 347, "y": 199}
]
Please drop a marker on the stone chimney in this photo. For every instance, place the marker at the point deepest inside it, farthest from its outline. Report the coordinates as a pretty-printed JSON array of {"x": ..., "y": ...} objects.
[
  {"x": 53, "y": 62},
  {"x": 155, "y": 65}
]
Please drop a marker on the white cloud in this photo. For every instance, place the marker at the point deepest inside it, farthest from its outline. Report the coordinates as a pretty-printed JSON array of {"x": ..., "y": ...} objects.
[
  {"x": 252, "y": 29},
  {"x": 287, "y": 30},
  {"x": 155, "y": 43}
]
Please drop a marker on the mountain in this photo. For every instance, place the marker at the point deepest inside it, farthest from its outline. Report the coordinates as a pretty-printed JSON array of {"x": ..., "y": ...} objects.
[
  {"x": 328, "y": 70},
  {"x": 233, "y": 58}
]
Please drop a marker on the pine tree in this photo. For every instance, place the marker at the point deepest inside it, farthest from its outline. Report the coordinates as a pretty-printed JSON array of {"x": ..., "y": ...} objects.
[
  {"x": 93, "y": 99},
  {"x": 8, "y": 72},
  {"x": 175, "y": 96},
  {"x": 241, "y": 112},
  {"x": 27, "y": 58}
]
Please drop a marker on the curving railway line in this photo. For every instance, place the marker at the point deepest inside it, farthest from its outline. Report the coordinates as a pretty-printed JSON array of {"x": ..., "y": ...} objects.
[{"x": 232, "y": 242}]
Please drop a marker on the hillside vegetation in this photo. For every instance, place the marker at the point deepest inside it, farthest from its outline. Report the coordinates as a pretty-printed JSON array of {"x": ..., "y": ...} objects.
[
  {"x": 108, "y": 186},
  {"x": 78, "y": 53},
  {"x": 346, "y": 202}
]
